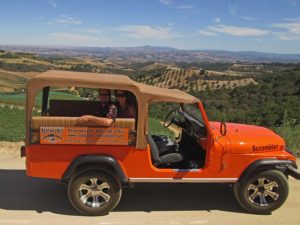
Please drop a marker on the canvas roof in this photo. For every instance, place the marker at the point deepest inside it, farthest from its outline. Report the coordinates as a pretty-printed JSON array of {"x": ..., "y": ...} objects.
[
  {"x": 111, "y": 81},
  {"x": 144, "y": 93}
]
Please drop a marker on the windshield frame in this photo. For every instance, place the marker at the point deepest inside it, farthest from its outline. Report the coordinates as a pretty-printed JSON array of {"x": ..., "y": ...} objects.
[{"x": 194, "y": 106}]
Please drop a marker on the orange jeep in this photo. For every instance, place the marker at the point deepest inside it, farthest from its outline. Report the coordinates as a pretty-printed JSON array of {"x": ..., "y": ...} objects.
[{"x": 96, "y": 162}]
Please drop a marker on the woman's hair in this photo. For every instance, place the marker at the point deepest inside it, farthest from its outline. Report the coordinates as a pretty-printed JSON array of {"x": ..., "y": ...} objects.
[
  {"x": 131, "y": 99},
  {"x": 130, "y": 103}
]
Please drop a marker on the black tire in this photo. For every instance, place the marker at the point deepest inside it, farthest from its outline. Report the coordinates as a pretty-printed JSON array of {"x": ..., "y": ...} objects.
[
  {"x": 94, "y": 193},
  {"x": 262, "y": 193}
]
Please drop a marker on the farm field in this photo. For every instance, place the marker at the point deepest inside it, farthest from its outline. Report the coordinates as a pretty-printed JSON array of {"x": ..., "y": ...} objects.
[
  {"x": 13, "y": 125},
  {"x": 10, "y": 81},
  {"x": 265, "y": 94},
  {"x": 13, "y": 128}
]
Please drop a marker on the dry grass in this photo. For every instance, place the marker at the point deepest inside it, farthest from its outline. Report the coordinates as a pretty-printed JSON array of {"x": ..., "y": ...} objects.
[
  {"x": 9, "y": 81},
  {"x": 191, "y": 80}
]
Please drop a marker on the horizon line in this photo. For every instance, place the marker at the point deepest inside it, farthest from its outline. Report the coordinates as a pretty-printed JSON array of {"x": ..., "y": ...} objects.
[{"x": 140, "y": 46}]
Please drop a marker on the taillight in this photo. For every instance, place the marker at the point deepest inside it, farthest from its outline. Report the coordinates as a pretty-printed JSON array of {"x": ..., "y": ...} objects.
[{"x": 23, "y": 151}]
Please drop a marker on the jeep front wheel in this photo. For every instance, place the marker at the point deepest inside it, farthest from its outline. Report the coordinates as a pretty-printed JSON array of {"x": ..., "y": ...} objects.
[
  {"x": 94, "y": 193},
  {"x": 263, "y": 192}
]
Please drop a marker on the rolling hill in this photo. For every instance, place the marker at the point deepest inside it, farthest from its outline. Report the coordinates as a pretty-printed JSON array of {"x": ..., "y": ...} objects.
[
  {"x": 11, "y": 81},
  {"x": 192, "y": 80},
  {"x": 159, "y": 54}
]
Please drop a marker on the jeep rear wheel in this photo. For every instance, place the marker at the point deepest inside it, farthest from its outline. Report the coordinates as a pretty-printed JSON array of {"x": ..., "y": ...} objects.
[
  {"x": 94, "y": 193},
  {"x": 262, "y": 193}
]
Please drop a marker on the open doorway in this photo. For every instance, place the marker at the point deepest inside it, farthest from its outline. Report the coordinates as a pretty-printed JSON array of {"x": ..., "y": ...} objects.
[{"x": 175, "y": 135}]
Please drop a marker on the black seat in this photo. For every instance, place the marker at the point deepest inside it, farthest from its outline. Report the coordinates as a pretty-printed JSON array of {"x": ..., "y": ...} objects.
[
  {"x": 164, "y": 144},
  {"x": 165, "y": 159}
]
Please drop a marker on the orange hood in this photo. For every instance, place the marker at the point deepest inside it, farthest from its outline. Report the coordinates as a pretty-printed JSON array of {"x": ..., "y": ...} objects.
[{"x": 244, "y": 138}]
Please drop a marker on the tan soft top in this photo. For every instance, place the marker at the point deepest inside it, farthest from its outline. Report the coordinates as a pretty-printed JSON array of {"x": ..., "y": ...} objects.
[
  {"x": 111, "y": 81},
  {"x": 144, "y": 93}
]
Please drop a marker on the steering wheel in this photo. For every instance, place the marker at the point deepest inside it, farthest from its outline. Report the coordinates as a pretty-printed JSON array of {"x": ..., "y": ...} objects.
[
  {"x": 172, "y": 117},
  {"x": 169, "y": 118}
]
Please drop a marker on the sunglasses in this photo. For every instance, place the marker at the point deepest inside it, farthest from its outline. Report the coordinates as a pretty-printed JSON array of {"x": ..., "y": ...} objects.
[{"x": 104, "y": 94}]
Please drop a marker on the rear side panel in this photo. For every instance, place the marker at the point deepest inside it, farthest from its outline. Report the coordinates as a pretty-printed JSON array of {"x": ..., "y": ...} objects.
[{"x": 51, "y": 161}]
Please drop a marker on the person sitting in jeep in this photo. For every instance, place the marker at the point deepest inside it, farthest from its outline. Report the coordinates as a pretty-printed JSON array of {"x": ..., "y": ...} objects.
[
  {"x": 106, "y": 114},
  {"x": 125, "y": 104}
]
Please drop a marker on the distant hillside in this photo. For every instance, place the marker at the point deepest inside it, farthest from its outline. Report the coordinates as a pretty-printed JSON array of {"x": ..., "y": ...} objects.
[
  {"x": 196, "y": 80},
  {"x": 274, "y": 97},
  {"x": 158, "y": 66},
  {"x": 12, "y": 82},
  {"x": 17, "y": 67},
  {"x": 159, "y": 54},
  {"x": 33, "y": 63}
]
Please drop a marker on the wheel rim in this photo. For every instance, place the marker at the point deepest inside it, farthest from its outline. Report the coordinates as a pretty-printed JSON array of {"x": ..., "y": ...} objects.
[
  {"x": 94, "y": 193},
  {"x": 263, "y": 192}
]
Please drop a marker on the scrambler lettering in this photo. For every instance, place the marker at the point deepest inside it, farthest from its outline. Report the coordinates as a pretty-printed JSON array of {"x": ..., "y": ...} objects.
[{"x": 269, "y": 147}]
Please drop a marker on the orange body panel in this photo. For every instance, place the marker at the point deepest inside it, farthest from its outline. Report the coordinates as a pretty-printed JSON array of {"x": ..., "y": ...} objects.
[
  {"x": 226, "y": 156},
  {"x": 51, "y": 161}
]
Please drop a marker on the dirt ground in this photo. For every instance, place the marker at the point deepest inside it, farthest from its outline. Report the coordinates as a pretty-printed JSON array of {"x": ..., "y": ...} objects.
[{"x": 25, "y": 200}]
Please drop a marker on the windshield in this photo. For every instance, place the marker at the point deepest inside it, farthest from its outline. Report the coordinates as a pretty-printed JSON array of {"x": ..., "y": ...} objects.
[{"x": 193, "y": 111}]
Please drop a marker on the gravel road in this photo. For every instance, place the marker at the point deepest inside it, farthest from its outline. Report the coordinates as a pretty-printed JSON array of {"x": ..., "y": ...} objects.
[{"x": 25, "y": 200}]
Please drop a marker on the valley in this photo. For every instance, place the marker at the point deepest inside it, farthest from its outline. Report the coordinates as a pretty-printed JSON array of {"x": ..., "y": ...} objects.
[{"x": 260, "y": 93}]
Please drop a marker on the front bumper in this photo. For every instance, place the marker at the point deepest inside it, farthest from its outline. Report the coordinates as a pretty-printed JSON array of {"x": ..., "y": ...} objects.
[{"x": 292, "y": 171}]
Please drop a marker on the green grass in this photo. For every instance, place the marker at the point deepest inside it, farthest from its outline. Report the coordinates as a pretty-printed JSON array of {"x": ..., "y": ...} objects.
[
  {"x": 13, "y": 99},
  {"x": 291, "y": 135},
  {"x": 155, "y": 127},
  {"x": 12, "y": 121},
  {"x": 13, "y": 128},
  {"x": 11, "y": 80},
  {"x": 290, "y": 132},
  {"x": 19, "y": 99},
  {"x": 12, "y": 124}
]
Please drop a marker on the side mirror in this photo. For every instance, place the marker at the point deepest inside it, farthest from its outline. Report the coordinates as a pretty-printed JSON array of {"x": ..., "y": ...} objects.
[{"x": 223, "y": 129}]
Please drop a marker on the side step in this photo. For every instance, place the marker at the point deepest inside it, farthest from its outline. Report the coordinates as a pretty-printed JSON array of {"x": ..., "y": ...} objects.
[{"x": 293, "y": 172}]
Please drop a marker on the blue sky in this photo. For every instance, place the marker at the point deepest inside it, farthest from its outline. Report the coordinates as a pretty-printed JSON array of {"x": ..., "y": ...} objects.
[{"x": 259, "y": 25}]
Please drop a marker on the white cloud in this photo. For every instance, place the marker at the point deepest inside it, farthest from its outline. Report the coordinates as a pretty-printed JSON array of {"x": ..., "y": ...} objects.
[
  {"x": 237, "y": 31},
  {"x": 293, "y": 2},
  {"x": 185, "y": 7},
  {"x": 93, "y": 31},
  {"x": 67, "y": 20},
  {"x": 52, "y": 3},
  {"x": 166, "y": 2},
  {"x": 173, "y": 4},
  {"x": 207, "y": 33},
  {"x": 147, "y": 32},
  {"x": 297, "y": 19},
  {"x": 217, "y": 20},
  {"x": 233, "y": 9},
  {"x": 291, "y": 29},
  {"x": 65, "y": 38},
  {"x": 288, "y": 37},
  {"x": 74, "y": 37}
]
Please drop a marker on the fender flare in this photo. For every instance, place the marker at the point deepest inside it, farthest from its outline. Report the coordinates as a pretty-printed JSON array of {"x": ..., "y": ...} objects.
[
  {"x": 266, "y": 164},
  {"x": 95, "y": 162}
]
